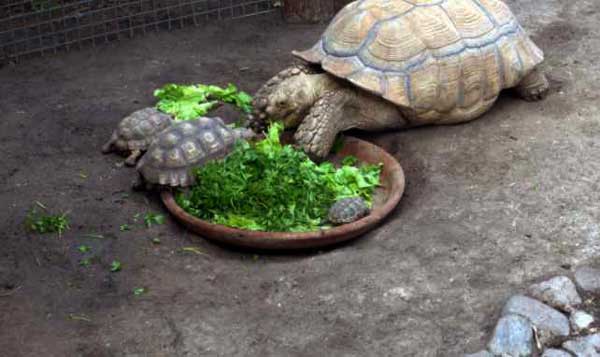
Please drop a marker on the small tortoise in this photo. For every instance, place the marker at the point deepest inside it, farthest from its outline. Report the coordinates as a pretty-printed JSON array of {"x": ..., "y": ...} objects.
[
  {"x": 390, "y": 64},
  {"x": 135, "y": 133},
  {"x": 348, "y": 210},
  {"x": 183, "y": 146}
]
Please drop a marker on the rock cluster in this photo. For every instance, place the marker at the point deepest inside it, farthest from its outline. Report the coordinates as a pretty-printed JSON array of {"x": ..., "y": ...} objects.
[{"x": 548, "y": 321}]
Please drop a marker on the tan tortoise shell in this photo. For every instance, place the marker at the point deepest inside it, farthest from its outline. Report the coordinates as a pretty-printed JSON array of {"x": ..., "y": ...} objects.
[{"x": 430, "y": 56}]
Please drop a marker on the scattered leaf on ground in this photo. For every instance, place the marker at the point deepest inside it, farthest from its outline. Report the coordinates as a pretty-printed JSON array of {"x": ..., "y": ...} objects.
[
  {"x": 124, "y": 227},
  {"x": 139, "y": 291},
  {"x": 84, "y": 248},
  {"x": 115, "y": 266},
  {"x": 85, "y": 262},
  {"x": 153, "y": 218},
  {"x": 43, "y": 223}
]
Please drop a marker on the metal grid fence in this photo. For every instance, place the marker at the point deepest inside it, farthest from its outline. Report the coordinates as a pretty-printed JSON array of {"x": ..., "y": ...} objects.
[{"x": 37, "y": 27}]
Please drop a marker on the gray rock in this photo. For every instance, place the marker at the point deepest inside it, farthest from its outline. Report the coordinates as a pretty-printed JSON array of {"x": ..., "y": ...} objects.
[
  {"x": 588, "y": 346},
  {"x": 556, "y": 353},
  {"x": 588, "y": 279},
  {"x": 513, "y": 336},
  {"x": 580, "y": 320},
  {"x": 559, "y": 292},
  {"x": 552, "y": 325},
  {"x": 480, "y": 354}
]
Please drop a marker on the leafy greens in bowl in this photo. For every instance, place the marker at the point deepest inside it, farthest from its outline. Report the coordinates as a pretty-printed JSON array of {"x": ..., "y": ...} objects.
[{"x": 269, "y": 186}]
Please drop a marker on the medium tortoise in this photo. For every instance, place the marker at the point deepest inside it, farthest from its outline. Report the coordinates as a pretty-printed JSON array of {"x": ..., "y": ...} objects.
[
  {"x": 390, "y": 64},
  {"x": 184, "y": 146},
  {"x": 135, "y": 133},
  {"x": 348, "y": 210}
]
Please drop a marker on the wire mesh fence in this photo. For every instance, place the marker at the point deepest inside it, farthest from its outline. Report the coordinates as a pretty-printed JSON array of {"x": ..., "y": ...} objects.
[{"x": 37, "y": 27}]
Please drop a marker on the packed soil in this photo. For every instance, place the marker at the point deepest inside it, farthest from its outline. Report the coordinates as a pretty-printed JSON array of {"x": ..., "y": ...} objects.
[{"x": 490, "y": 207}]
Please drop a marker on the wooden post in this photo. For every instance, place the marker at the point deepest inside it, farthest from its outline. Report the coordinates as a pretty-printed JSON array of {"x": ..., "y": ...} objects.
[{"x": 311, "y": 11}]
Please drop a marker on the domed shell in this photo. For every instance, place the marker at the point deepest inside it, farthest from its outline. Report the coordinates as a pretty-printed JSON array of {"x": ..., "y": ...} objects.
[
  {"x": 136, "y": 131},
  {"x": 185, "y": 145},
  {"x": 348, "y": 210},
  {"x": 430, "y": 56}
]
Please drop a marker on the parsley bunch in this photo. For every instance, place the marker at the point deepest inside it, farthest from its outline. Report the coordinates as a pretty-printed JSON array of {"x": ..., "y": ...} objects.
[{"x": 273, "y": 187}]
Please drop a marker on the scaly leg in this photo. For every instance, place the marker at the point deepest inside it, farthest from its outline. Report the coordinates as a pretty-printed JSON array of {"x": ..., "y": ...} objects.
[
  {"x": 140, "y": 184},
  {"x": 108, "y": 147},
  {"x": 132, "y": 158},
  {"x": 320, "y": 127},
  {"x": 534, "y": 86}
]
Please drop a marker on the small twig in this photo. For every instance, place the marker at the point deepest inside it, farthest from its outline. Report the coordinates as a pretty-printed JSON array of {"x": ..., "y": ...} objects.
[
  {"x": 95, "y": 236},
  {"x": 536, "y": 337},
  {"x": 41, "y": 205},
  {"x": 80, "y": 317},
  {"x": 11, "y": 292},
  {"x": 194, "y": 250}
]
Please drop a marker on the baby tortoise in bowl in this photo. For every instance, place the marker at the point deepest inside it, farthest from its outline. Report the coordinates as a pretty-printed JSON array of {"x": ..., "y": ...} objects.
[
  {"x": 135, "y": 133},
  {"x": 397, "y": 64},
  {"x": 184, "y": 146},
  {"x": 348, "y": 210}
]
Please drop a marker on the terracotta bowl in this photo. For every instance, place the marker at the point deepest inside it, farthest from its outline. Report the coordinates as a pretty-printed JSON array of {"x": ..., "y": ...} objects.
[{"x": 385, "y": 199}]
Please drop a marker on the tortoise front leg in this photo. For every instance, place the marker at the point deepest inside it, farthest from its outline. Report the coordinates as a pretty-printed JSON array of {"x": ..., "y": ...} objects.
[
  {"x": 132, "y": 158},
  {"x": 320, "y": 127},
  {"x": 534, "y": 86}
]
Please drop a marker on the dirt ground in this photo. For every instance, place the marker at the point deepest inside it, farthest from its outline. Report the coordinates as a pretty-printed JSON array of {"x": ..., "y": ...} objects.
[{"x": 491, "y": 206}]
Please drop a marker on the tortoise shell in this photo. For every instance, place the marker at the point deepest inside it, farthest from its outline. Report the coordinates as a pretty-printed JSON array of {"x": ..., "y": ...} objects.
[
  {"x": 428, "y": 56},
  {"x": 348, "y": 210},
  {"x": 136, "y": 131},
  {"x": 186, "y": 145}
]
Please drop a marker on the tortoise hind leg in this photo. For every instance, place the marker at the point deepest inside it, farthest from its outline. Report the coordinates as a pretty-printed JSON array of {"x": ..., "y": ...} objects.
[
  {"x": 140, "y": 184},
  {"x": 132, "y": 158},
  {"x": 534, "y": 86},
  {"x": 108, "y": 147}
]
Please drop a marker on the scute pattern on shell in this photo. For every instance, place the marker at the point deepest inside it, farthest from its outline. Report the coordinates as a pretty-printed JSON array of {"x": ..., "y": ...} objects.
[
  {"x": 447, "y": 58},
  {"x": 183, "y": 146},
  {"x": 137, "y": 130},
  {"x": 348, "y": 210}
]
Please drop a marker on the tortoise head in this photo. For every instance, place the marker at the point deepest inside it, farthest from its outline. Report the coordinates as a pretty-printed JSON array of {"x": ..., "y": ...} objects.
[
  {"x": 244, "y": 133},
  {"x": 291, "y": 100}
]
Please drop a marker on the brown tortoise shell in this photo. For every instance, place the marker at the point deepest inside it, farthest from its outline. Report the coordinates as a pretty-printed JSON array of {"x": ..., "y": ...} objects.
[{"x": 438, "y": 58}]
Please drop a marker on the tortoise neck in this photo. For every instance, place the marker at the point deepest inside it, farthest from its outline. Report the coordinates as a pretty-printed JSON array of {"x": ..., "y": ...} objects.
[{"x": 320, "y": 84}]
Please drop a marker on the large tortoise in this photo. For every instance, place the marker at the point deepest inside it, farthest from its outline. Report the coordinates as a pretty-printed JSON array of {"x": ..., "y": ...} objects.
[
  {"x": 389, "y": 64},
  {"x": 183, "y": 146}
]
